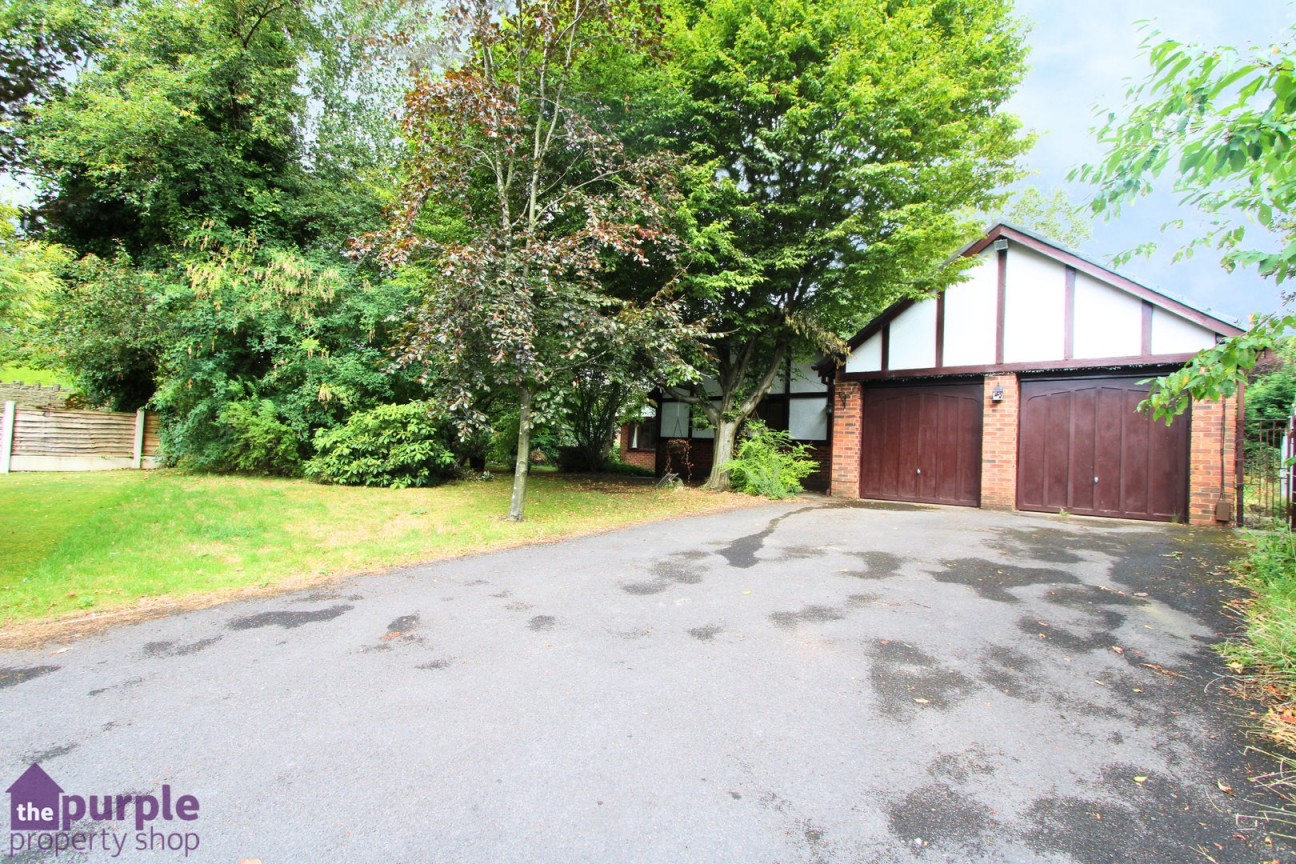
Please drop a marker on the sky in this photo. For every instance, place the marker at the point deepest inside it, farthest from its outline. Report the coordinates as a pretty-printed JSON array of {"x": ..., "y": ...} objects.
[{"x": 1083, "y": 57}]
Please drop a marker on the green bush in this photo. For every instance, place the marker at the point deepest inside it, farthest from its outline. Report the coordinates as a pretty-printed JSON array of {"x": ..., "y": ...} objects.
[
  {"x": 256, "y": 441},
  {"x": 769, "y": 463},
  {"x": 391, "y": 445}
]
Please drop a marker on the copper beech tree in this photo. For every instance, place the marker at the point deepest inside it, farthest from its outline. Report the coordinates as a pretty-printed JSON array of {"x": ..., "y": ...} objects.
[{"x": 514, "y": 204}]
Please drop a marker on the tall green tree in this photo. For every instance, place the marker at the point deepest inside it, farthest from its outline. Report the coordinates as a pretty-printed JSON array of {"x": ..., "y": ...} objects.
[
  {"x": 517, "y": 199},
  {"x": 43, "y": 44},
  {"x": 837, "y": 146},
  {"x": 209, "y": 169},
  {"x": 1217, "y": 124}
]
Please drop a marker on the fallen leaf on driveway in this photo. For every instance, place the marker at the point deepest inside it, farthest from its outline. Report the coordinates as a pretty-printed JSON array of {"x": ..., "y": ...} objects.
[
  {"x": 1224, "y": 787},
  {"x": 1118, "y": 649},
  {"x": 922, "y": 701},
  {"x": 1161, "y": 670},
  {"x": 1140, "y": 779}
]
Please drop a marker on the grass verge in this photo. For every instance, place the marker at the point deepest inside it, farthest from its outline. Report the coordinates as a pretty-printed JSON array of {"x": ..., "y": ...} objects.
[
  {"x": 26, "y": 375},
  {"x": 74, "y": 544},
  {"x": 1266, "y": 651}
]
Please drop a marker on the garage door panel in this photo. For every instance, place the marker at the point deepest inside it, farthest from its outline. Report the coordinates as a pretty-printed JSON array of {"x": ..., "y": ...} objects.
[
  {"x": 922, "y": 444},
  {"x": 1084, "y": 448}
]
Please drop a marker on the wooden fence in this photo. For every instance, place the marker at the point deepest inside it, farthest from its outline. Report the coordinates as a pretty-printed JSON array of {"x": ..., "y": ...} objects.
[{"x": 32, "y": 439}]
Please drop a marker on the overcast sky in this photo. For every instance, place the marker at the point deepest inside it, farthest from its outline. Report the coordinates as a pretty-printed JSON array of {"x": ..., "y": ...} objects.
[{"x": 1083, "y": 55}]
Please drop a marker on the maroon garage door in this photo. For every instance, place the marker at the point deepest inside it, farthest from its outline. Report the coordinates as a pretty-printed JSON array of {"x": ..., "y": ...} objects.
[
  {"x": 1085, "y": 449},
  {"x": 922, "y": 444}
]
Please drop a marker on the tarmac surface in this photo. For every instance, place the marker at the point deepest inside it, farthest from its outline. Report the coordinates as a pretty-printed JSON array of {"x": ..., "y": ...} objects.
[{"x": 810, "y": 681}]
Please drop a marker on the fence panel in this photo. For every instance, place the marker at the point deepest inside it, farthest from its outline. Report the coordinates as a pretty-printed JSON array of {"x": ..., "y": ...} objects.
[{"x": 52, "y": 440}]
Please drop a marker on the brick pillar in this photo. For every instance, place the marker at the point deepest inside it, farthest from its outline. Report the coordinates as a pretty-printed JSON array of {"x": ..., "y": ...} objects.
[
  {"x": 999, "y": 442},
  {"x": 1212, "y": 477},
  {"x": 848, "y": 404}
]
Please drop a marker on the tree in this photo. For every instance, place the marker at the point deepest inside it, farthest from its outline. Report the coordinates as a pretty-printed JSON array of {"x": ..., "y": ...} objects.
[
  {"x": 42, "y": 44},
  {"x": 1054, "y": 216},
  {"x": 209, "y": 168},
  {"x": 836, "y": 148},
  {"x": 515, "y": 201},
  {"x": 1220, "y": 121},
  {"x": 30, "y": 274}
]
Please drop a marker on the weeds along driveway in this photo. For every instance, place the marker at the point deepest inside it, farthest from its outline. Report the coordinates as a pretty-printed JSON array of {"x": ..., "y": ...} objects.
[{"x": 800, "y": 682}]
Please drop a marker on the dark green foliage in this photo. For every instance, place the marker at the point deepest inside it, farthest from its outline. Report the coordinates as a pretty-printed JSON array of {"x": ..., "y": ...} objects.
[
  {"x": 769, "y": 463},
  {"x": 257, "y": 442},
  {"x": 616, "y": 466},
  {"x": 1271, "y": 393},
  {"x": 392, "y": 445}
]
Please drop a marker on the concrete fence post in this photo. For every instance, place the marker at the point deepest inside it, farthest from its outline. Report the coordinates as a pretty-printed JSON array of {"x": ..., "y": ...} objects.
[
  {"x": 137, "y": 457},
  {"x": 7, "y": 436}
]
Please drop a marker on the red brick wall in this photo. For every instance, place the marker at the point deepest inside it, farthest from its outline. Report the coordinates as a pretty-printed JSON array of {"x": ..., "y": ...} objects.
[
  {"x": 1212, "y": 476},
  {"x": 848, "y": 408},
  {"x": 999, "y": 442},
  {"x": 642, "y": 458}
]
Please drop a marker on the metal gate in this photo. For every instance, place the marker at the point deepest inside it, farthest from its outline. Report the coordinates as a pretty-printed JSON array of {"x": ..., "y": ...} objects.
[{"x": 1268, "y": 493}]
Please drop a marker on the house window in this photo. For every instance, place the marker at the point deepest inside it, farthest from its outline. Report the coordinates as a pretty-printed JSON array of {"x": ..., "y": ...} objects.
[
  {"x": 643, "y": 435},
  {"x": 774, "y": 413}
]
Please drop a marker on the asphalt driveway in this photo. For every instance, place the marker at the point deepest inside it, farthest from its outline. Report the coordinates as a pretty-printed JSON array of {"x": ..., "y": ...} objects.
[{"x": 798, "y": 682}]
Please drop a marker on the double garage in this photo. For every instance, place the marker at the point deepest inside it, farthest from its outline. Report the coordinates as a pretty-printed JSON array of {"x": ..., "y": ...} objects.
[
  {"x": 1082, "y": 446},
  {"x": 1018, "y": 387}
]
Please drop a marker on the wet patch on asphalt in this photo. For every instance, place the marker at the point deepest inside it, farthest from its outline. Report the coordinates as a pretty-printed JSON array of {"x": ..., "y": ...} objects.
[
  {"x": 878, "y": 565},
  {"x": 288, "y": 619},
  {"x": 12, "y": 676},
  {"x": 896, "y": 506},
  {"x": 1127, "y": 820},
  {"x": 675, "y": 570},
  {"x": 741, "y": 553},
  {"x": 51, "y": 753},
  {"x": 125, "y": 685},
  {"x": 937, "y": 816},
  {"x": 961, "y": 767},
  {"x": 435, "y": 665},
  {"x": 705, "y": 634},
  {"x": 171, "y": 649},
  {"x": 1051, "y": 545},
  {"x": 906, "y": 678},
  {"x": 806, "y": 615},
  {"x": 540, "y": 623},
  {"x": 1072, "y": 642},
  {"x": 1010, "y": 672},
  {"x": 992, "y": 579}
]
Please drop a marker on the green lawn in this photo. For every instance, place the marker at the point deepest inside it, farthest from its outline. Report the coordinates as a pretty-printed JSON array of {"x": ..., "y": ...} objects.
[
  {"x": 73, "y": 542},
  {"x": 24, "y": 375}
]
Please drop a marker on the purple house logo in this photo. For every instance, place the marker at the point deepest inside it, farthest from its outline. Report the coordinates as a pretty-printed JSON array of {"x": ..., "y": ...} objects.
[{"x": 34, "y": 802}]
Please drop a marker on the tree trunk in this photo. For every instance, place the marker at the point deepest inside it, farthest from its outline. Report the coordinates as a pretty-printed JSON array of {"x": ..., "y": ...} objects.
[
  {"x": 517, "y": 507},
  {"x": 726, "y": 433}
]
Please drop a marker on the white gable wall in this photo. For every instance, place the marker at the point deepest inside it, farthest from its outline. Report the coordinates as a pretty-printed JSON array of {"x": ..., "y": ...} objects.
[
  {"x": 972, "y": 315},
  {"x": 867, "y": 357},
  {"x": 913, "y": 337},
  {"x": 1034, "y": 307},
  {"x": 1108, "y": 321},
  {"x": 1174, "y": 335}
]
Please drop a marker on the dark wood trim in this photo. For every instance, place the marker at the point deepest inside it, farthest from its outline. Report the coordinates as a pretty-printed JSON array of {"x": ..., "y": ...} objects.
[
  {"x": 886, "y": 346},
  {"x": 1001, "y": 302},
  {"x": 1073, "y": 261},
  {"x": 1102, "y": 274},
  {"x": 940, "y": 329},
  {"x": 884, "y": 318},
  {"x": 1049, "y": 366},
  {"x": 1068, "y": 316},
  {"x": 1146, "y": 342}
]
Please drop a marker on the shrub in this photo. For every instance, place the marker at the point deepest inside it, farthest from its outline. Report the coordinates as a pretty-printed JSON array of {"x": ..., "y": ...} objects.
[
  {"x": 256, "y": 441},
  {"x": 769, "y": 463},
  {"x": 391, "y": 445}
]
